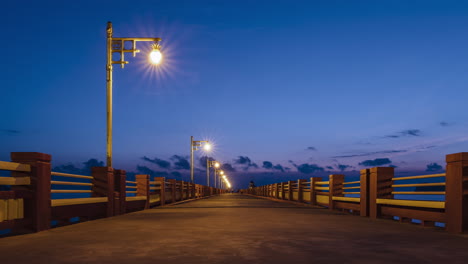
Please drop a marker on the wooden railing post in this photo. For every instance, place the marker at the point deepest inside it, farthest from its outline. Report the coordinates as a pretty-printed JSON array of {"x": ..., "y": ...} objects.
[
  {"x": 364, "y": 192},
  {"x": 313, "y": 192},
  {"x": 456, "y": 192},
  {"x": 143, "y": 189},
  {"x": 277, "y": 190},
  {"x": 39, "y": 207},
  {"x": 283, "y": 195},
  {"x": 300, "y": 190},
  {"x": 380, "y": 187},
  {"x": 103, "y": 186},
  {"x": 120, "y": 194},
  {"x": 162, "y": 191},
  {"x": 182, "y": 190},
  {"x": 173, "y": 190},
  {"x": 290, "y": 190},
  {"x": 335, "y": 188}
]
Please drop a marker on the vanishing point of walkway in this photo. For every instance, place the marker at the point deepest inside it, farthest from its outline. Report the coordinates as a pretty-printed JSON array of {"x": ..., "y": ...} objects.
[{"x": 234, "y": 228}]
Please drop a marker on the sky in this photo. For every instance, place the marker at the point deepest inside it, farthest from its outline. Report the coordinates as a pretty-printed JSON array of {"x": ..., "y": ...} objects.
[{"x": 283, "y": 89}]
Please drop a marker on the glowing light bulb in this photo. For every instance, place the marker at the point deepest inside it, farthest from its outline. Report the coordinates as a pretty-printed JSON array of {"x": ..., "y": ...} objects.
[
  {"x": 216, "y": 165},
  {"x": 207, "y": 147},
  {"x": 155, "y": 56}
]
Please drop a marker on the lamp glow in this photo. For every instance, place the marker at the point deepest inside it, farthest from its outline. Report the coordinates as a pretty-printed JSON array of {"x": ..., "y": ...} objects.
[
  {"x": 155, "y": 56},
  {"x": 216, "y": 165},
  {"x": 207, "y": 147}
]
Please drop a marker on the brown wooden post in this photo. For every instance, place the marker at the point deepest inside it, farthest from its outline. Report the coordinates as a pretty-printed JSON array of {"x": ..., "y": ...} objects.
[
  {"x": 364, "y": 192},
  {"x": 300, "y": 190},
  {"x": 182, "y": 190},
  {"x": 282, "y": 191},
  {"x": 162, "y": 191},
  {"x": 290, "y": 190},
  {"x": 39, "y": 207},
  {"x": 142, "y": 185},
  {"x": 103, "y": 186},
  {"x": 173, "y": 190},
  {"x": 120, "y": 192},
  {"x": 456, "y": 192},
  {"x": 179, "y": 189},
  {"x": 313, "y": 192},
  {"x": 380, "y": 187},
  {"x": 336, "y": 188},
  {"x": 277, "y": 188}
]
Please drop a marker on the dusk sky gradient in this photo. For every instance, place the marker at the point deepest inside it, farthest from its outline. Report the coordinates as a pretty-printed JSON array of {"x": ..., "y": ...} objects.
[{"x": 302, "y": 84}]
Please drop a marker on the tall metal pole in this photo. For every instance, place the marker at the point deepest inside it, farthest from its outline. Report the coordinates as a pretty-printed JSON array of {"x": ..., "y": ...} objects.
[
  {"x": 191, "y": 159},
  {"x": 207, "y": 171},
  {"x": 109, "y": 94},
  {"x": 215, "y": 183}
]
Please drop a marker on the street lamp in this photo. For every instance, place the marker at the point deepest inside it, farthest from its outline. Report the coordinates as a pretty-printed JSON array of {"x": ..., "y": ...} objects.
[
  {"x": 117, "y": 45},
  {"x": 194, "y": 145},
  {"x": 210, "y": 164},
  {"x": 220, "y": 172}
]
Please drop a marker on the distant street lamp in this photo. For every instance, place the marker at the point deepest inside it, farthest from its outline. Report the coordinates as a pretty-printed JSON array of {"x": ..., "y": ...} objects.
[
  {"x": 210, "y": 164},
  {"x": 117, "y": 45},
  {"x": 220, "y": 172},
  {"x": 194, "y": 145}
]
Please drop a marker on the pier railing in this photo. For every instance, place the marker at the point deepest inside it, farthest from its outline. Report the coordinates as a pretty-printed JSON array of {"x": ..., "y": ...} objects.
[
  {"x": 378, "y": 194},
  {"x": 39, "y": 197}
]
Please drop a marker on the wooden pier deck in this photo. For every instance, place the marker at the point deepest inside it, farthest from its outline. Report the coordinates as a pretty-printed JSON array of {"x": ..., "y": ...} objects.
[{"x": 234, "y": 228}]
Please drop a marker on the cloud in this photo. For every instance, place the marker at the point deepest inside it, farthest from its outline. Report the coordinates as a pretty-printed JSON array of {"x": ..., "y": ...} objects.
[
  {"x": 444, "y": 124},
  {"x": 408, "y": 132},
  {"x": 161, "y": 163},
  {"x": 241, "y": 160},
  {"x": 85, "y": 170},
  {"x": 267, "y": 165},
  {"x": 431, "y": 167},
  {"x": 309, "y": 168},
  {"x": 91, "y": 163},
  {"x": 153, "y": 173},
  {"x": 329, "y": 167},
  {"x": 343, "y": 167},
  {"x": 370, "y": 153},
  {"x": 312, "y": 148},
  {"x": 180, "y": 163},
  {"x": 227, "y": 167},
  {"x": 292, "y": 163},
  {"x": 9, "y": 132},
  {"x": 375, "y": 162},
  {"x": 68, "y": 168},
  {"x": 203, "y": 160},
  {"x": 278, "y": 167}
]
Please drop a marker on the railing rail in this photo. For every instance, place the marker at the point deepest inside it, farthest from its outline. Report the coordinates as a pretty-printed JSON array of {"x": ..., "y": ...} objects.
[
  {"x": 375, "y": 191},
  {"x": 30, "y": 206}
]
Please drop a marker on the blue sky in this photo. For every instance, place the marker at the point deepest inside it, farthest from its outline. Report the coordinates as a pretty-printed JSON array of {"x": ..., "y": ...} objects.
[{"x": 313, "y": 83}]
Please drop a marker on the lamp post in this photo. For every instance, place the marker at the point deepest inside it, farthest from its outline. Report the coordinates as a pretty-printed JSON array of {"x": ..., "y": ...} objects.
[
  {"x": 117, "y": 45},
  {"x": 210, "y": 164},
  {"x": 220, "y": 172},
  {"x": 194, "y": 145}
]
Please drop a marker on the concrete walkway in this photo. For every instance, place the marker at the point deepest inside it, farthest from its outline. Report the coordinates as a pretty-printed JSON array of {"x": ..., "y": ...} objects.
[{"x": 233, "y": 228}]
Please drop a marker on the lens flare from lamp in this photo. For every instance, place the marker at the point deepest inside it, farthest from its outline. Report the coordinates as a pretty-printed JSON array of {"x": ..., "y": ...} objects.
[
  {"x": 207, "y": 147},
  {"x": 221, "y": 172},
  {"x": 155, "y": 56},
  {"x": 216, "y": 165}
]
